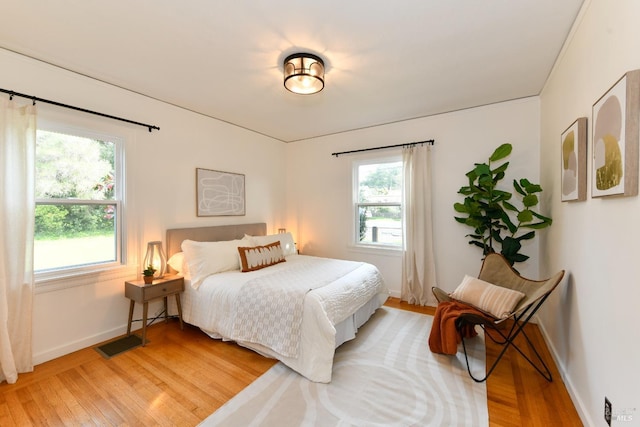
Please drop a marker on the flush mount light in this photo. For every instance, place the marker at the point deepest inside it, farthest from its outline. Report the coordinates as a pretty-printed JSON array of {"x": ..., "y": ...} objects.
[{"x": 303, "y": 73}]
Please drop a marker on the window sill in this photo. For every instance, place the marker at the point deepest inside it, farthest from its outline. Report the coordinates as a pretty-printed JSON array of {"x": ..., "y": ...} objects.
[
  {"x": 377, "y": 250},
  {"x": 55, "y": 281}
]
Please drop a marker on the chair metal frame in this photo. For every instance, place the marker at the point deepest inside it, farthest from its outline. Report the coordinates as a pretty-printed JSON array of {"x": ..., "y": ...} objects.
[{"x": 497, "y": 270}]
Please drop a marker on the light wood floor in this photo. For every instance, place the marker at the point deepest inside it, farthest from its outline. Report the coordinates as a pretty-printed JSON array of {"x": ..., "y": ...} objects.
[{"x": 181, "y": 377}]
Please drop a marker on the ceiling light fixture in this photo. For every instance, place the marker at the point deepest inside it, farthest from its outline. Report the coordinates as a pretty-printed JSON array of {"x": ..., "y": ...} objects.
[{"x": 303, "y": 73}]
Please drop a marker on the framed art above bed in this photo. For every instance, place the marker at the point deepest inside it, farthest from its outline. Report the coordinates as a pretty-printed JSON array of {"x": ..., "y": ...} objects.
[{"x": 219, "y": 193}]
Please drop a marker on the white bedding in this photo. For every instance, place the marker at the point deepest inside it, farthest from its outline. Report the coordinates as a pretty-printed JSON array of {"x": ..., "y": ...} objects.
[{"x": 331, "y": 314}]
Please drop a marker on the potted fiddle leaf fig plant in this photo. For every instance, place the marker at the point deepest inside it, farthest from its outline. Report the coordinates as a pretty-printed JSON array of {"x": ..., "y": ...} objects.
[
  {"x": 498, "y": 224},
  {"x": 147, "y": 274}
]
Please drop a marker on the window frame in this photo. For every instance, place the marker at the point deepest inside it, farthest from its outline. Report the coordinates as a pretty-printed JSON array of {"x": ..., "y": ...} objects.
[
  {"x": 85, "y": 130},
  {"x": 356, "y": 204}
]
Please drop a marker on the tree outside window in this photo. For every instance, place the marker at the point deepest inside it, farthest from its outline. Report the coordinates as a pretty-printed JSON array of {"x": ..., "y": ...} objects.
[
  {"x": 77, "y": 203},
  {"x": 379, "y": 203}
]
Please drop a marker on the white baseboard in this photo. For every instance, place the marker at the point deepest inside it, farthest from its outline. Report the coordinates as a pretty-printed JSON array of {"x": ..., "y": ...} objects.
[
  {"x": 67, "y": 348},
  {"x": 573, "y": 393}
]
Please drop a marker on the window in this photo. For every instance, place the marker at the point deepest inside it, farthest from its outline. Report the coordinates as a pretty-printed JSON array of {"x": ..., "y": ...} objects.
[
  {"x": 78, "y": 201},
  {"x": 378, "y": 203}
]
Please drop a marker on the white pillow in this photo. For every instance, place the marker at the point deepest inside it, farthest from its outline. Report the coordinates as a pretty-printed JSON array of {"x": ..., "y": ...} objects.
[
  {"x": 495, "y": 300},
  {"x": 285, "y": 239},
  {"x": 178, "y": 263},
  {"x": 207, "y": 258}
]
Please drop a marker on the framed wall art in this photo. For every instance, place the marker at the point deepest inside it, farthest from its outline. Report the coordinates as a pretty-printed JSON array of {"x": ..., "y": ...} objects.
[
  {"x": 574, "y": 161},
  {"x": 219, "y": 193},
  {"x": 615, "y": 139}
]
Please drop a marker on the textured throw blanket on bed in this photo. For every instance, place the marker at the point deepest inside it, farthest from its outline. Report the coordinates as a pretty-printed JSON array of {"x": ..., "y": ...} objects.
[{"x": 269, "y": 311}]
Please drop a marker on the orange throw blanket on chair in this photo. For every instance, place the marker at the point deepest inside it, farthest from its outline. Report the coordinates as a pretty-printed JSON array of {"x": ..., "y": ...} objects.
[{"x": 444, "y": 337}]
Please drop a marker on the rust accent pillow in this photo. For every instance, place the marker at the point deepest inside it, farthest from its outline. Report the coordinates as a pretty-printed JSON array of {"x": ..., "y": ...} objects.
[{"x": 258, "y": 257}]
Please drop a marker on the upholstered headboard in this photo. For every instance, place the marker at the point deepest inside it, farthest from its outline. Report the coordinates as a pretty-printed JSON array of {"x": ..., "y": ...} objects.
[{"x": 175, "y": 236}]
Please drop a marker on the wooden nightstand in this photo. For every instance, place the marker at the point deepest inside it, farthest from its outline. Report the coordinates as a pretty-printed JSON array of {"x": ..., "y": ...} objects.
[{"x": 138, "y": 291}]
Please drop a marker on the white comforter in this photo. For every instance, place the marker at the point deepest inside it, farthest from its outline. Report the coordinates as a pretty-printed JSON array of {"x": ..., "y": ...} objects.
[{"x": 341, "y": 288}]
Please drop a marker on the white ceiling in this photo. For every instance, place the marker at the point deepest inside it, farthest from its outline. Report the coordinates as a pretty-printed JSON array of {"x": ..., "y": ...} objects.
[{"x": 386, "y": 61}]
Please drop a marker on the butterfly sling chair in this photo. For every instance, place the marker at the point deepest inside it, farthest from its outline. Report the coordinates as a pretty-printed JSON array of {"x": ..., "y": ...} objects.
[{"x": 497, "y": 271}]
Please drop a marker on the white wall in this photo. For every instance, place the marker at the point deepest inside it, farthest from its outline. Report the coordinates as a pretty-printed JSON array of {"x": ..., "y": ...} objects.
[
  {"x": 160, "y": 182},
  {"x": 319, "y": 185},
  {"x": 591, "y": 321}
]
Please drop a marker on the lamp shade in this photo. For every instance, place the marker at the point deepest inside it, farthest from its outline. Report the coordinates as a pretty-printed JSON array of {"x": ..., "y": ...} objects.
[
  {"x": 303, "y": 73},
  {"x": 155, "y": 258}
]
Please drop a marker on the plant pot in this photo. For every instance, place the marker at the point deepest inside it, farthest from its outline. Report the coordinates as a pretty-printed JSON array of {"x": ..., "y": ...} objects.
[{"x": 148, "y": 279}]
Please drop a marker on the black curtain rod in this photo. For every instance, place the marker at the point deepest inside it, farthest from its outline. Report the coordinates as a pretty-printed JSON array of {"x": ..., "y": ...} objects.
[
  {"x": 47, "y": 101},
  {"x": 408, "y": 144}
]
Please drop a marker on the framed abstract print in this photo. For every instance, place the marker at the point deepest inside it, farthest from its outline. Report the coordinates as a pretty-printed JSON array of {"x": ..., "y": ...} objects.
[
  {"x": 574, "y": 161},
  {"x": 615, "y": 139},
  {"x": 219, "y": 193}
]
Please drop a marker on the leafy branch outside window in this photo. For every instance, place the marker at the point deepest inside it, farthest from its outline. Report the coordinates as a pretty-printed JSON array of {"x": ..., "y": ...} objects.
[{"x": 363, "y": 224}]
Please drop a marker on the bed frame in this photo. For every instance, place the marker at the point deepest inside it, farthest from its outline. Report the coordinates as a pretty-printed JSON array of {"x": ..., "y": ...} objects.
[{"x": 216, "y": 233}]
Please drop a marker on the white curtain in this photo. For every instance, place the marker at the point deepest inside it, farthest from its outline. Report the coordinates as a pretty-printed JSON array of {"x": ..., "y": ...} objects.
[
  {"x": 17, "y": 206},
  {"x": 418, "y": 266}
]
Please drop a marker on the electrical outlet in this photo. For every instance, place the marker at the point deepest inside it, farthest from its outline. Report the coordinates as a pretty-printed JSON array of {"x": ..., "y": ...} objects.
[{"x": 607, "y": 411}]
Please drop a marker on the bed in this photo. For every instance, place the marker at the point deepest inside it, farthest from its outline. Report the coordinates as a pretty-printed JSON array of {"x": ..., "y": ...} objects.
[{"x": 313, "y": 304}]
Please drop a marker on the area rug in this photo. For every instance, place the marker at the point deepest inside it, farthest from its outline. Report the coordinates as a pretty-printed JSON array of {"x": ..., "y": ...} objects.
[
  {"x": 387, "y": 376},
  {"x": 119, "y": 346}
]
